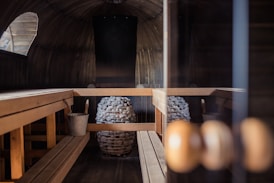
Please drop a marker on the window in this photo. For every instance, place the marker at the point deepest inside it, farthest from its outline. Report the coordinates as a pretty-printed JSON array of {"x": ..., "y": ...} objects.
[{"x": 20, "y": 34}]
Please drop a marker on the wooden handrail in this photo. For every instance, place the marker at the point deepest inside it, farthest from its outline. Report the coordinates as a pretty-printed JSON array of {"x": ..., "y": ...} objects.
[
  {"x": 112, "y": 92},
  {"x": 122, "y": 127},
  {"x": 17, "y": 101}
]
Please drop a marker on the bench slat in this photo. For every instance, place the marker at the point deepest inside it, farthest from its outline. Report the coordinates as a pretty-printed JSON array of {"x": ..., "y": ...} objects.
[
  {"x": 68, "y": 163},
  {"x": 63, "y": 162},
  {"x": 38, "y": 167},
  {"x": 150, "y": 164},
  {"x": 142, "y": 158},
  {"x": 159, "y": 150},
  {"x": 54, "y": 166}
]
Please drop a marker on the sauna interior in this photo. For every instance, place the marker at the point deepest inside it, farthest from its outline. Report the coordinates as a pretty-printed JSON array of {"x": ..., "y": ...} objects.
[{"x": 211, "y": 59}]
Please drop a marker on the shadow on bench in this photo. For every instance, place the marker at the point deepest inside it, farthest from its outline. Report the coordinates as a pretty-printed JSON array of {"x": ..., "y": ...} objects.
[{"x": 54, "y": 166}]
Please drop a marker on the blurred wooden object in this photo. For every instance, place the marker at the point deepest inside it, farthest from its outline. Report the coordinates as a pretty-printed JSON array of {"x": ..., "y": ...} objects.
[
  {"x": 218, "y": 145},
  {"x": 258, "y": 145},
  {"x": 183, "y": 146}
]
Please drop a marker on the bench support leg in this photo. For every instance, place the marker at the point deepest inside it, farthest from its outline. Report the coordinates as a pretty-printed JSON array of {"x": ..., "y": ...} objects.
[
  {"x": 51, "y": 131},
  {"x": 17, "y": 153},
  {"x": 158, "y": 121}
]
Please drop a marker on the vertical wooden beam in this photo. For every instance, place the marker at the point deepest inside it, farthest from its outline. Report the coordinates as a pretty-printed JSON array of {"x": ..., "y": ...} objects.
[
  {"x": 164, "y": 126},
  {"x": 51, "y": 131},
  {"x": 28, "y": 145},
  {"x": 158, "y": 121},
  {"x": 2, "y": 159},
  {"x": 67, "y": 110},
  {"x": 17, "y": 153}
]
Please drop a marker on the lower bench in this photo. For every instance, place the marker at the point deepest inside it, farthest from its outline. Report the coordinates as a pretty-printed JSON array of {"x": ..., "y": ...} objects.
[
  {"x": 54, "y": 166},
  {"x": 152, "y": 157}
]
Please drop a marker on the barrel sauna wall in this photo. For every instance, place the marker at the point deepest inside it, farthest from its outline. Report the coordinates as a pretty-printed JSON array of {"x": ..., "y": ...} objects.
[
  {"x": 63, "y": 52},
  {"x": 261, "y": 62},
  {"x": 202, "y": 41}
]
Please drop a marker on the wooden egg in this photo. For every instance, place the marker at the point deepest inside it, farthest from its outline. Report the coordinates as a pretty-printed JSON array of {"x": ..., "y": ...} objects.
[
  {"x": 218, "y": 145},
  {"x": 258, "y": 145},
  {"x": 182, "y": 146}
]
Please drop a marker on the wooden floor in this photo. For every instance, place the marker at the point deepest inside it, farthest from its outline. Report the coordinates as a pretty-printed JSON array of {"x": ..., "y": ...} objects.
[{"x": 93, "y": 167}]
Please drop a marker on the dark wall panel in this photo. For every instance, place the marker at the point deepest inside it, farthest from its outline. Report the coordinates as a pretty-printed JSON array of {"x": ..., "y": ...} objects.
[
  {"x": 115, "y": 50},
  {"x": 13, "y": 71}
]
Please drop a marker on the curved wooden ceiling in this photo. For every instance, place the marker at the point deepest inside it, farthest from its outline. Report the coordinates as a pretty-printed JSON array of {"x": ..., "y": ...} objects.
[
  {"x": 85, "y": 9},
  {"x": 73, "y": 12},
  {"x": 149, "y": 13},
  {"x": 65, "y": 39}
]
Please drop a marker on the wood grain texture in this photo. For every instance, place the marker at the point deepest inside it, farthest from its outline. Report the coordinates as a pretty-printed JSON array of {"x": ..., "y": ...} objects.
[
  {"x": 121, "y": 127},
  {"x": 151, "y": 154},
  {"x": 54, "y": 166},
  {"x": 43, "y": 162},
  {"x": 29, "y": 116},
  {"x": 112, "y": 92},
  {"x": 158, "y": 121},
  {"x": 51, "y": 131},
  {"x": 17, "y": 153},
  {"x": 23, "y": 100}
]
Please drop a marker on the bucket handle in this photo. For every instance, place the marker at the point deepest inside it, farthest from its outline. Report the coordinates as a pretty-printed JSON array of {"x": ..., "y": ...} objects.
[{"x": 86, "y": 106}]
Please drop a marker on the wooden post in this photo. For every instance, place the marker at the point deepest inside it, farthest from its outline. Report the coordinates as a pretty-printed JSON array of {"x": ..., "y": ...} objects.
[
  {"x": 51, "y": 131},
  {"x": 17, "y": 153},
  {"x": 158, "y": 121},
  {"x": 164, "y": 126}
]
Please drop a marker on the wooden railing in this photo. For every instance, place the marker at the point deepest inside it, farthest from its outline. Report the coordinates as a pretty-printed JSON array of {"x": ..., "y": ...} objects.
[
  {"x": 19, "y": 109},
  {"x": 223, "y": 98},
  {"x": 117, "y": 92}
]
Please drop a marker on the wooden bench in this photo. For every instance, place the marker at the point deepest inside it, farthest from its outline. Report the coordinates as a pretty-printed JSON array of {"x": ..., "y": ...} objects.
[
  {"x": 152, "y": 158},
  {"x": 54, "y": 166}
]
